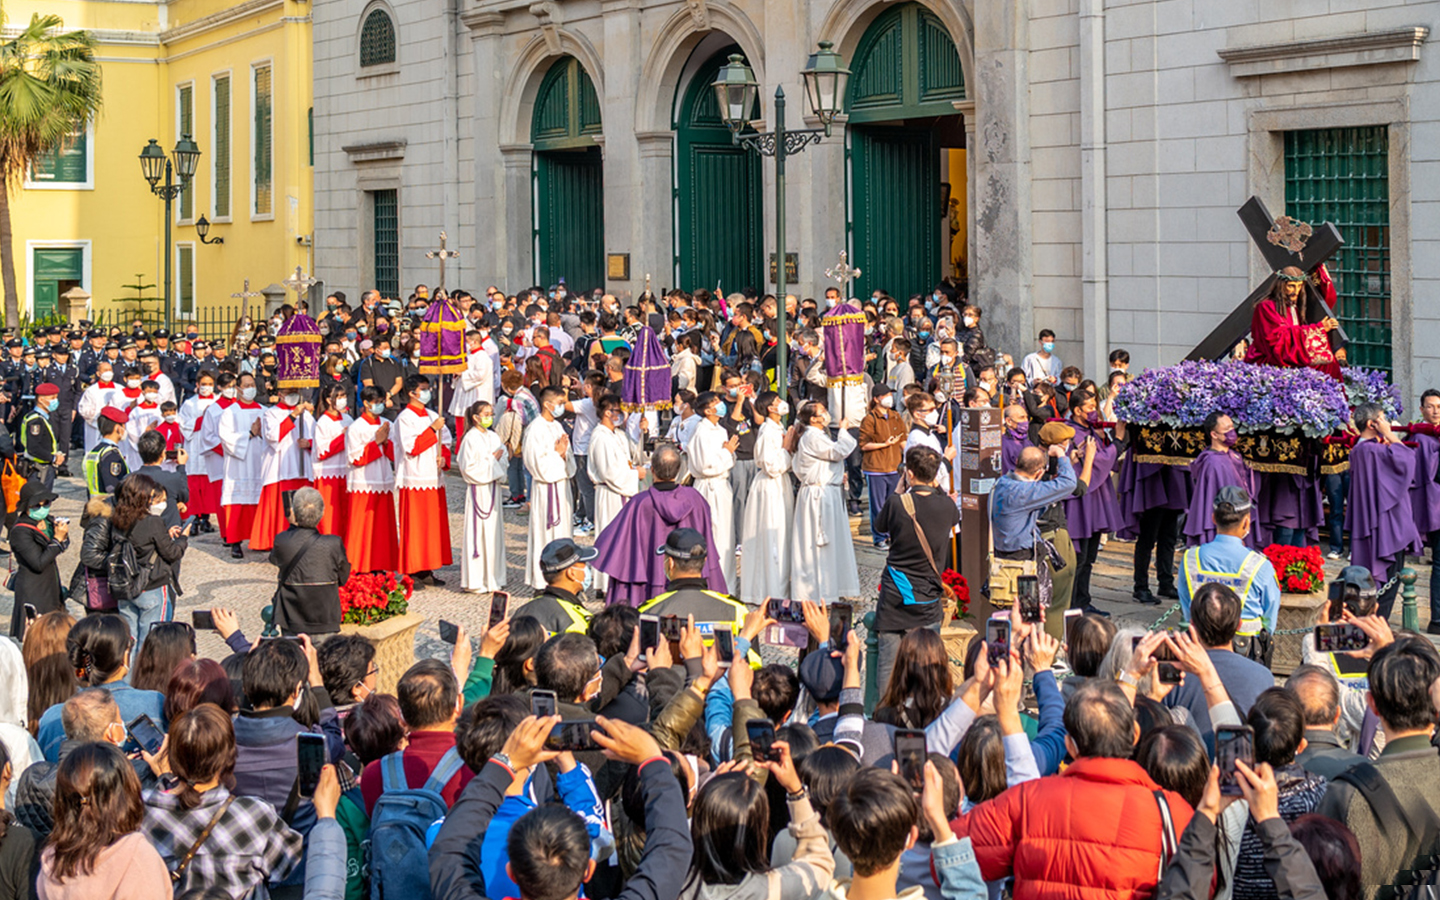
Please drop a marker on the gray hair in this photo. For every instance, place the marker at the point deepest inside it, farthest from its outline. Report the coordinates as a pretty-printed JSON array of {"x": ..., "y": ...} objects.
[
  {"x": 1319, "y": 695},
  {"x": 1365, "y": 413},
  {"x": 307, "y": 507},
  {"x": 1117, "y": 658}
]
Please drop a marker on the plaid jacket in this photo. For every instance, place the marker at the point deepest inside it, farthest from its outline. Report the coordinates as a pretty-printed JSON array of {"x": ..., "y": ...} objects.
[{"x": 249, "y": 847}]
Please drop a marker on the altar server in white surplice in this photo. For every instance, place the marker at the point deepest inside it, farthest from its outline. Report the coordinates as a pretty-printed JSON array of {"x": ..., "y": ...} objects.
[
  {"x": 545, "y": 450},
  {"x": 769, "y": 511},
  {"x": 612, "y": 468},
  {"x": 483, "y": 464},
  {"x": 822, "y": 555},
  {"x": 711, "y": 452}
]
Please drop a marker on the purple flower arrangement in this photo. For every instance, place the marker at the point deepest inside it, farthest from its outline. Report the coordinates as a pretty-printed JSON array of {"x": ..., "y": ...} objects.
[
  {"x": 1371, "y": 386},
  {"x": 1259, "y": 398}
]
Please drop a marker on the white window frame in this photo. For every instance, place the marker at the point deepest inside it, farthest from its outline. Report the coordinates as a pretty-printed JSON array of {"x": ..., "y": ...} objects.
[
  {"x": 87, "y": 185},
  {"x": 177, "y": 312},
  {"x": 267, "y": 62},
  {"x": 86, "y": 272},
  {"x": 214, "y": 173},
  {"x": 194, "y": 194}
]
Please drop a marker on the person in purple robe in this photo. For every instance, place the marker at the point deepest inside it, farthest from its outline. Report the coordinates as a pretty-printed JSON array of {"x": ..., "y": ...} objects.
[
  {"x": 1097, "y": 511},
  {"x": 1290, "y": 509},
  {"x": 1152, "y": 497},
  {"x": 1215, "y": 468},
  {"x": 1015, "y": 438},
  {"x": 1425, "y": 492},
  {"x": 628, "y": 548},
  {"x": 1381, "y": 523}
]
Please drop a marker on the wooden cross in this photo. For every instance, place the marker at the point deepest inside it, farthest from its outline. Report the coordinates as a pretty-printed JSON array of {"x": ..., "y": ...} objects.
[
  {"x": 244, "y": 295},
  {"x": 843, "y": 274},
  {"x": 1283, "y": 242},
  {"x": 299, "y": 282},
  {"x": 442, "y": 254}
]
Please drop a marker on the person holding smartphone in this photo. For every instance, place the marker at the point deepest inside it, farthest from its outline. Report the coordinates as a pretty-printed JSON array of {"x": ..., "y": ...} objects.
[
  {"x": 312, "y": 567},
  {"x": 37, "y": 540}
]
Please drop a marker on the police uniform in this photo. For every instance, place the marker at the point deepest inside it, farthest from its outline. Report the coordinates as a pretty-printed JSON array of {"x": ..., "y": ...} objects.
[
  {"x": 691, "y": 596},
  {"x": 105, "y": 466},
  {"x": 37, "y": 438},
  {"x": 11, "y": 368},
  {"x": 65, "y": 376},
  {"x": 558, "y": 610}
]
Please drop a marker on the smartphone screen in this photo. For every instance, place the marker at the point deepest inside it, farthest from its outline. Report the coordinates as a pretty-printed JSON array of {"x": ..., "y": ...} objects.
[
  {"x": 499, "y": 606},
  {"x": 172, "y": 454},
  {"x": 542, "y": 703},
  {"x": 1338, "y": 637},
  {"x": 1027, "y": 594},
  {"x": 202, "y": 620},
  {"x": 910, "y": 755},
  {"x": 997, "y": 640},
  {"x": 1168, "y": 672},
  {"x": 449, "y": 632},
  {"x": 841, "y": 616},
  {"x": 670, "y": 627},
  {"x": 146, "y": 734},
  {"x": 725, "y": 646},
  {"x": 1072, "y": 619},
  {"x": 785, "y": 611},
  {"x": 649, "y": 633},
  {"x": 576, "y": 737},
  {"x": 1232, "y": 743},
  {"x": 762, "y": 739},
  {"x": 310, "y": 758}
]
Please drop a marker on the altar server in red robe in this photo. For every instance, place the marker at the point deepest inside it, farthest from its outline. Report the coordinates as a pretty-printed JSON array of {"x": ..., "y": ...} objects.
[
  {"x": 370, "y": 538},
  {"x": 329, "y": 462},
  {"x": 421, "y": 453}
]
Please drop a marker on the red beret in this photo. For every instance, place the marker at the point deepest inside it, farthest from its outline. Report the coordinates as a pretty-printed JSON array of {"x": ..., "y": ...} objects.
[
  {"x": 115, "y": 414},
  {"x": 46, "y": 388}
]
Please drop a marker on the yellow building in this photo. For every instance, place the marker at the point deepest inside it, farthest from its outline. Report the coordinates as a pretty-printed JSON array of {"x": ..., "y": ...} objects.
[{"x": 237, "y": 78}]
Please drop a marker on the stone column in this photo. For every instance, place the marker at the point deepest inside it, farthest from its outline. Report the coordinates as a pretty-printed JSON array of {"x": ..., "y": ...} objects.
[
  {"x": 483, "y": 241},
  {"x": 622, "y": 55},
  {"x": 654, "y": 214},
  {"x": 517, "y": 257}
]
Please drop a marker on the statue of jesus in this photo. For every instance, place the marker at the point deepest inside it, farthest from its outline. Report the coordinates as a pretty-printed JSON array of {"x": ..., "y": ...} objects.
[{"x": 1280, "y": 334}]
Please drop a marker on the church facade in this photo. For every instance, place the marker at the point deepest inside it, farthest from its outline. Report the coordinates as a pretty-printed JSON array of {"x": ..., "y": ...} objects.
[{"x": 1080, "y": 162}]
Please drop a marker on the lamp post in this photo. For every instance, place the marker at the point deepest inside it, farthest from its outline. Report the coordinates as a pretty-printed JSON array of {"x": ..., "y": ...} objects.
[
  {"x": 735, "y": 88},
  {"x": 154, "y": 164}
]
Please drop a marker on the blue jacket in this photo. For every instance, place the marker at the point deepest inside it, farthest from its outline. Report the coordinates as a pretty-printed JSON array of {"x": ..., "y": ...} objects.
[
  {"x": 1048, "y": 745},
  {"x": 1016, "y": 504},
  {"x": 133, "y": 702},
  {"x": 265, "y": 763}
]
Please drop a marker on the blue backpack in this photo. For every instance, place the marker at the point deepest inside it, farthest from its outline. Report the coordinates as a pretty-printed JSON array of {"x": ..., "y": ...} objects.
[{"x": 398, "y": 825}]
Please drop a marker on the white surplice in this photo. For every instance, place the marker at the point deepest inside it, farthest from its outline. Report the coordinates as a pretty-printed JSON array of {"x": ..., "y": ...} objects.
[
  {"x": 244, "y": 455},
  {"x": 769, "y": 514},
  {"x": 329, "y": 442},
  {"x": 95, "y": 398},
  {"x": 192, "y": 414},
  {"x": 552, "y": 508},
  {"x": 822, "y": 555},
  {"x": 482, "y": 566},
  {"x": 284, "y": 460},
  {"x": 143, "y": 417},
  {"x": 616, "y": 481},
  {"x": 710, "y": 465},
  {"x": 477, "y": 382}
]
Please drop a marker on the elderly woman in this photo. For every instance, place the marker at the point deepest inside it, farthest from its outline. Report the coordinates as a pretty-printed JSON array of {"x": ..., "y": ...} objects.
[
  {"x": 312, "y": 568},
  {"x": 37, "y": 540}
]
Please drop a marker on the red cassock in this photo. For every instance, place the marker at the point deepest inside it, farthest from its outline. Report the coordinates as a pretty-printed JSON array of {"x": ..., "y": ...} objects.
[{"x": 1276, "y": 340}]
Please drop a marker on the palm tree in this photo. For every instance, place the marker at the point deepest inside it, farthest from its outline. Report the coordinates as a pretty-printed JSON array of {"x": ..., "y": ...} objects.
[{"x": 49, "y": 89}]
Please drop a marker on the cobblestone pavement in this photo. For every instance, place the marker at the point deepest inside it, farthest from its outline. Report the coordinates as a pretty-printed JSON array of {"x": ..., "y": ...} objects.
[{"x": 210, "y": 578}]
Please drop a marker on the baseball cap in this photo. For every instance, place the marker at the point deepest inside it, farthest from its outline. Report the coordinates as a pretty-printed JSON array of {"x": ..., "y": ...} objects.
[
  {"x": 684, "y": 543},
  {"x": 1233, "y": 496},
  {"x": 822, "y": 675},
  {"x": 561, "y": 554}
]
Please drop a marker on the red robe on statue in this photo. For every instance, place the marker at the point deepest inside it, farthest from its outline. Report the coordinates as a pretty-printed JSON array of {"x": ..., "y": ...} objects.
[{"x": 1280, "y": 340}]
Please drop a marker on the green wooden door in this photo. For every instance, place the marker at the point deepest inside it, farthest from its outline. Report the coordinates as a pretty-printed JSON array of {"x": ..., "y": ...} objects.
[
  {"x": 1342, "y": 175},
  {"x": 55, "y": 272},
  {"x": 570, "y": 218},
  {"x": 895, "y": 174},
  {"x": 386, "y": 233},
  {"x": 719, "y": 229}
]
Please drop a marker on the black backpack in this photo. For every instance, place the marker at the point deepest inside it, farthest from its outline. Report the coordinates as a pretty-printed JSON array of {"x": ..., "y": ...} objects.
[
  {"x": 1401, "y": 826},
  {"x": 126, "y": 576}
]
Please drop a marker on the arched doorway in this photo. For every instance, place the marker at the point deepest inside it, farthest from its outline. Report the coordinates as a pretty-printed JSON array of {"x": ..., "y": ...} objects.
[
  {"x": 569, "y": 187},
  {"x": 906, "y": 144},
  {"x": 719, "y": 232}
]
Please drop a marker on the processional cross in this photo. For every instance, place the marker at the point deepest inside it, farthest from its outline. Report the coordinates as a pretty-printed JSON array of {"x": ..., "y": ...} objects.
[
  {"x": 244, "y": 295},
  {"x": 1282, "y": 242},
  {"x": 299, "y": 283},
  {"x": 442, "y": 254},
  {"x": 843, "y": 274}
]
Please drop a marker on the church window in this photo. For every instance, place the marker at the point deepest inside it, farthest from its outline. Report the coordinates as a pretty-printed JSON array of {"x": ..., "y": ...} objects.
[{"x": 377, "y": 39}]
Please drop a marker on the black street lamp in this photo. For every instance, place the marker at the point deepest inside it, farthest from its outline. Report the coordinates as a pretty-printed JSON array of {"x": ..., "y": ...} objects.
[
  {"x": 735, "y": 89},
  {"x": 202, "y": 228},
  {"x": 154, "y": 164}
]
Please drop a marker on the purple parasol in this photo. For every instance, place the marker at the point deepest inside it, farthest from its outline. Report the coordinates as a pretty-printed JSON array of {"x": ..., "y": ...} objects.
[
  {"x": 647, "y": 375},
  {"x": 843, "y": 330},
  {"x": 297, "y": 353},
  {"x": 442, "y": 340}
]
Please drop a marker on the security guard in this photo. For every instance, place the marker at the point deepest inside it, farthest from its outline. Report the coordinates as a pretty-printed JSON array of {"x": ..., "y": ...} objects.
[
  {"x": 37, "y": 437},
  {"x": 105, "y": 467},
  {"x": 687, "y": 593},
  {"x": 558, "y": 608},
  {"x": 92, "y": 354},
  {"x": 1228, "y": 561},
  {"x": 65, "y": 375}
]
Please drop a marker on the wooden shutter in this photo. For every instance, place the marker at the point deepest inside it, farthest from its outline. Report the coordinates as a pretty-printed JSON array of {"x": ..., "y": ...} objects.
[
  {"x": 263, "y": 137},
  {"x": 66, "y": 164},
  {"x": 221, "y": 149}
]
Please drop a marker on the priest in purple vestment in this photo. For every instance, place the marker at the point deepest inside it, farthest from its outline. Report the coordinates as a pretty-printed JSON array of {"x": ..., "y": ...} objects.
[
  {"x": 1015, "y": 438},
  {"x": 1381, "y": 522},
  {"x": 628, "y": 546},
  {"x": 1215, "y": 468},
  {"x": 1425, "y": 494},
  {"x": 1097, "y": 511}
]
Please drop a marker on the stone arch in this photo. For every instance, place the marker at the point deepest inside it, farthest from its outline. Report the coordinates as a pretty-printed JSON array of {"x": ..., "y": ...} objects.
[
  {"x": 523, "y": 83},
  {"x": 382, "y": 6},
  {"x": 845, "y": 24},
  {"x": 654, "y": 101}
]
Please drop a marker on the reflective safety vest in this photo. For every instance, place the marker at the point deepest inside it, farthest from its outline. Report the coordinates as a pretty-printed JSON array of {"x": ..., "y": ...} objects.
[
  {"x": 25, "y": 436},
  {"x": 1240, "y": 582},
  {"x": 579, "y": 619},
  {"x": 707, "y": 628}
]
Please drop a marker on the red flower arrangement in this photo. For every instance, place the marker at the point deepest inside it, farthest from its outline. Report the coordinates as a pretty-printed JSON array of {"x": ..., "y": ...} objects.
[
  {"x": 1300, "y": 570},
  {"x": 957, "y": 583},
  {"x": 372, "y": 597}
]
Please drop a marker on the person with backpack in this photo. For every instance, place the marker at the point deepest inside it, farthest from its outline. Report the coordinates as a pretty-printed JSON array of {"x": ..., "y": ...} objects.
[
  {"x": 36, "y": 541},
  {"x": 142, "y": 552}
]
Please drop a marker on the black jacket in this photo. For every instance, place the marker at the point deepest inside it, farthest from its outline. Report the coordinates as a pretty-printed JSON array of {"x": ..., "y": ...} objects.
[
  {"x": 37, "y": 569},
  {"x": 308, "y": 600},
  {"x": 152, "y": 541},
  {"x": 1189, "y": 874},
  {"x": 177, "y": 490}
]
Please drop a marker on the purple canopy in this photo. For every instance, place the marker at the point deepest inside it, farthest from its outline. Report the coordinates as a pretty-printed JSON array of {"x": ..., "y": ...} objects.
[
  {"x": 843, "y": 330},
  {"x": 647, "y": 375},
  {"x": 442, "y": 340},
  {"x": 297, "y": 353}
]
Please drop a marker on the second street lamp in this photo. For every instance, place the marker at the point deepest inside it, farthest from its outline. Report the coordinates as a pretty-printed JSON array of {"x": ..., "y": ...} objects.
[
  {"x": 154, "y": 164},
  {"x": 735, "y": 88}
]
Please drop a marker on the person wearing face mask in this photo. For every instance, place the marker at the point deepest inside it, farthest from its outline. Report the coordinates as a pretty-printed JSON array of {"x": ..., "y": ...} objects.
[
  {"x": 206, "y": 443},
  {"x": 924, "y": 432},
  {"x": 139, "y": 519},
  {"x": 371, "y": 540},
  {"x": 1015, "y": 438},
  {"x": 95, "y": 398},
  {"x": 769, "y": 508},
  {"x": 882, "y": 439},
  {"x": 610, "y": 465},
  {"x": 144, "y": 415},
  {"x": 1043, "y": 364},
  {"x": 1217, "y": 465},
  {"x": 238, "y": 430},
  {"x": 42, "y": 453},
  {"x": 483, "y": 463},
  {"x": 422, "y": 451},
  {"x": 548, "y": 458},
  {"x": 898, "y": 371},
  {"x": 36, "y": 541},
  {"x": 312, "y": 567},
  {"x": 973, "y": 349},
  {"x": 1096, "y": 511},
  {"x": 382, "y": 371},
  {"x": 287, "y": 430},
  {"x": 822, "y": 554},
  {"x": 475, "y": 385},
  {"x": 566, "y": 569},
  {"x": 711, "y": 455},
  {"x": 1229, "y": 561},
  {"x": 329, "y": 462}
]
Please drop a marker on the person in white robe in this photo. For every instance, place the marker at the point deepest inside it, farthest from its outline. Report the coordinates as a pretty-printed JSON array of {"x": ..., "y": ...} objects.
[
  {"x": 104, "y": 392},
  {"x": 484, "y": 463},
  {"x": 711, "y": 454},
  {"x": 144, "y": 416},
  {"x": 545, "y": 450},
  {"x": 822, "y": 554},
  {"x": 244, "y": 466},
  {"x": 203, "y": 501},
  {"x": 288, "y": 431},
  {"x": 475, "y": 384},
  {"x": 769, "y": 511},
  {"x": 612, "y": 470}
]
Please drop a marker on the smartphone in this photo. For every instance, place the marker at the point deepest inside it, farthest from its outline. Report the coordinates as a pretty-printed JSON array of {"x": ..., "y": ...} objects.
[
  {"x": 499, "y": 606},
  {"x": 576, "y": 737},
  {"x": 1072, "y": 619},
  {"x": 725, "y": 646},
  {"x": 649, "y": 633},
  {"x": 1027, "y": 595},
  {"x": 1168, "y": 672},
  {"x": 146, "y": 733},
  {"x": 784, "y": 611},
  {"x": 1338, "y": 637},
  {"x": 1342, "y": 597},
  {"x": 542, "y": 703},
  {"x": 762, "y": 740},
  {"x": 1233, "y": 743},
  {"x": 841, "y": 616},
  {"x": 202, "y": 620},
  {"x": 310, "y": 759},
  {"x": 670, "y": 627},
  {"x": 449, "y": 632},
  {"x": 997, "y": 640},
  {"x": 173, "y": 455},
  {"x": 910, "y": 754}
]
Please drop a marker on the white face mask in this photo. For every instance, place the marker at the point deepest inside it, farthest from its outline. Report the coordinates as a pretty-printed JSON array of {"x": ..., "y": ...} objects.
[
  {"x": 931, "y": 418},
  {"x": 888, "y": 401},
  {"x": 205, "y": 390},
  {"x": 152, "y": 396},
  {"x": 342, "y": 403},
  {"x": 229, "y": 393},
  {"x": 157, "y": 508},
  {"x": 247, "y": 394},
  {"x": 171, "y": 418},
  {"x": 783, "y": 408},
  {"x": 969, "y": 321},
  {"x": 948, "y": 361},
  {"x": 107, "y": 377},
  {"x": 132, "y": 383},
  {"x": 292, "y": 399}
]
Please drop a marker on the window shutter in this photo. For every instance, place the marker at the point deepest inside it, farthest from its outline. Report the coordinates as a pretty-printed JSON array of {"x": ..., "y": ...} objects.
[
  {"x": 221, "y": 149},
  {"x": 63, "y": 165},
  {"x": 264, "y": 143}
]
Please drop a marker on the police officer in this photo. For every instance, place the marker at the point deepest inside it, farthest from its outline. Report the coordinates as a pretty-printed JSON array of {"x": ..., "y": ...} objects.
[
  {"x": 559, "y": 607},
  {"x": 1249, "y": 574},
  {"x": 65, "y": 375},
  {"x": 686, "y": 591},
  {"x": 165, "y": 352},
  {"x": 37, "y": 436},
  {"x": 105, "y": 466}
]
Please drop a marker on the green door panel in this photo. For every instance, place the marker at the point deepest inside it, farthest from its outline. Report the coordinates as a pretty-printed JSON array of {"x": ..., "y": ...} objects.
[
  {"x": 570, "y": 225},
  {"x": 895, "y": 174}
]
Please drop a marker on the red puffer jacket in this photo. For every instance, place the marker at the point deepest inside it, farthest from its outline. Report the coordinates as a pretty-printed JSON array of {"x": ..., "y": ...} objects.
[{"x": 1090, "y": 833}]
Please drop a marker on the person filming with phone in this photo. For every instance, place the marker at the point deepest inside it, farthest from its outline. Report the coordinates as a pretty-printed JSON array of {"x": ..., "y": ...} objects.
[
  {"x": 312, "y": 566},
  {"x": 1228, "y": 561}
]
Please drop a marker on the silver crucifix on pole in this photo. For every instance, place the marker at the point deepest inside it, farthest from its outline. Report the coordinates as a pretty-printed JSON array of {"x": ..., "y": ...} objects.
[
  {"x": 843, "y": 274},
  {"x": 442, "y": 254},
  {"x": 299, "y": 283}
]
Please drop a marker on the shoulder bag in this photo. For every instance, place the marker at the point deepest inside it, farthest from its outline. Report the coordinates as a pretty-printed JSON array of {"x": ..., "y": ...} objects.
[
  {"x": 178, "y": 872},
  {"x": 907, "y": 503}
]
